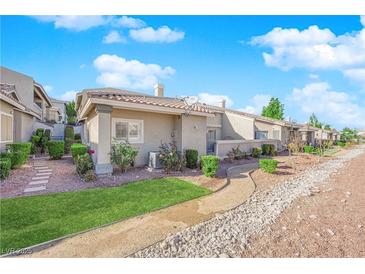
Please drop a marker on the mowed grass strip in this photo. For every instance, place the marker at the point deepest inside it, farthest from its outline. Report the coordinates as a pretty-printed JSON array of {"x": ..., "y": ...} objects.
[{"x": 27, "y": 221}]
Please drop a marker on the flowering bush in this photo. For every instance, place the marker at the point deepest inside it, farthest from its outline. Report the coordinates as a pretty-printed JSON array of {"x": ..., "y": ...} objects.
[
  {"x": 171, "y": 158},
  {"x": 123, "y": 155}
]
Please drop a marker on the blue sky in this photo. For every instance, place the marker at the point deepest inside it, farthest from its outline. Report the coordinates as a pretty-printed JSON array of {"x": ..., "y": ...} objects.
[{"x": 312, "y": 63}]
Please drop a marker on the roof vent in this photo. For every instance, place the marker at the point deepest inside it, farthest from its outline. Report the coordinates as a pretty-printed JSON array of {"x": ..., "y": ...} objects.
[{"x": 159, "y": 90}]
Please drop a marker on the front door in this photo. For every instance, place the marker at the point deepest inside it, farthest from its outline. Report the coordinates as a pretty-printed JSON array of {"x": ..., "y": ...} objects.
[{"x": 211, "y": 138}]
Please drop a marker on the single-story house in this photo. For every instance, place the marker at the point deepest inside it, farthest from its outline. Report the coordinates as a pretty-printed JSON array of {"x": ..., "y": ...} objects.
[
  {"x": 23, "y": 102},
  {"x": 111, "y": 115}
]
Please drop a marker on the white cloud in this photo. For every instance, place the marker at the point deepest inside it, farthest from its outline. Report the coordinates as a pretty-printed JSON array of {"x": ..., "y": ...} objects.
[
  {"x": 257, "y": 103},
  {"x": 68, "y": 96},
  {"x": 113, "y": 37},
  {"x": 214, "y": 99},
  {"x": 129, "y": 22},
  {"x": 75, "y": 23},
  {"x": 161, "y": 35},
  {"x": 333, "y": 106},
  {"x": 48, "y": 88},
  {"x": 312, "y": 48},
  {"x": 314, "y": 76},
  {"x": 357, "y": 75},
  {"x": 362, "y": 20},
  {"x": 116, "y": 71}
]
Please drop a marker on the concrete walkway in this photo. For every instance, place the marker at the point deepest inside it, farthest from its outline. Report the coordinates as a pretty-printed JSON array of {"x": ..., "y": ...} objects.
[
  {"x": 40, "y": 181},
  {"x": 126, "y": 237}
]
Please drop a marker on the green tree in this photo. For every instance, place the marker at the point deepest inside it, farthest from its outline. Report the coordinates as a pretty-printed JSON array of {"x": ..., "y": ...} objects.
[
  {"x": 275, "y": 109},
  {"x": 314, "y": 122},
  {"x": 349, "y": 134},
  {"x": 71, "y": 109},
  {"x": 71, "y": 112},
  {"x": 327, "y": 126}
]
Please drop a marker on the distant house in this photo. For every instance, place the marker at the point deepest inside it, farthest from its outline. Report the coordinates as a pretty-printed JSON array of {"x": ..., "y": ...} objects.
[
  {"x": 57, "y": 113},
  {"x": 23, "y": 103}
]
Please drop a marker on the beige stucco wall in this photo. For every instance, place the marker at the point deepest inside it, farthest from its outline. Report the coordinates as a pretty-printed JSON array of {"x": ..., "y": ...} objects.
[
  {"x": 23, "y": 84},
  {"x": 262, "y": 126},
  {"x": 216, "y": 123},
  {"x": 8, "y": 109},
  {"x": 157, "y": 128},
  {"x": 23, "y": 128},
  {"x": 238, "y": 127},
  {"x": 194, "y": 133}
]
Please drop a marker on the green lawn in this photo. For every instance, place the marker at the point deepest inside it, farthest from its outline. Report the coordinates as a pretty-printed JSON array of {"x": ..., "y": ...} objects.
[{"x": 26, "y": 221}]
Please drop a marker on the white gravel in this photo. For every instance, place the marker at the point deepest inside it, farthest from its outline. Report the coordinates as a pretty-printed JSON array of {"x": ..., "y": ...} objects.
[{"x": 227, "y": 235}]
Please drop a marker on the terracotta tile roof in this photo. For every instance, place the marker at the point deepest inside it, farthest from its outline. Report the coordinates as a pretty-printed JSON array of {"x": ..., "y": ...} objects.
[{"x": 139, "y": 98}]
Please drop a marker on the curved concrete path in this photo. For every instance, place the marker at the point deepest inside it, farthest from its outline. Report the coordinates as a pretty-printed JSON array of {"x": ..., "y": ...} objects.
[{"x": 127, "y": 237}]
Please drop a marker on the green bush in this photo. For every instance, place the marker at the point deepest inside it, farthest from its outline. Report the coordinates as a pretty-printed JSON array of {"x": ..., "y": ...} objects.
[
  {"x": 56, "y": 149},
  {"x": 77, "y": 136},
  {"x": 256, "y": 152},
  {"x": 39, "y": 132},
  {"x": 237, "y": 153},
  {"x": 89, "y": 176},
  {"x": 341, "y": 143},
  {"x": 171, "y": 158},
  {"x": 78, "y": 149},
  {"x": 268, "y": 165},
  {"x": 83, "y": 164},
  {"x": 68, "y": 144},
  {"x": 268, "y": 149},
  {"x": 123, "y": 155},
  {"x": 191, "y": 156},
  {"x": 19, "y": 153},
  {"x": 5, "y": 165},
  {"x": 47, "y": 134},
  {"x": 69, "y": 132},
  {"x": 71, "y": 120},
  {"x": 210, "y": 165},
  {"x": 308, "y": 149}
]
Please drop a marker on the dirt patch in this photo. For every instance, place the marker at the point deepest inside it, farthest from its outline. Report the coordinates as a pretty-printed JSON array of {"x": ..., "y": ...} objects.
[
  {"x": 288, "y": 167},
  {"x": 330, "y": 223}
]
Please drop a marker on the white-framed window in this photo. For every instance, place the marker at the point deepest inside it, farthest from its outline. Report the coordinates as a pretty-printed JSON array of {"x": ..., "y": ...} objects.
[
  {"x": 276, "y": 134},
  {"x": 261, "y": 135},
  {"x": 127, "y": 130},
  {"x": 6, "y": 125}
]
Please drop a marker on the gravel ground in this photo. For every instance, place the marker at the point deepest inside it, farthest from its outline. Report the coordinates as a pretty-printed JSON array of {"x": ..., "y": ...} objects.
[{"x": 227, "y": 234}]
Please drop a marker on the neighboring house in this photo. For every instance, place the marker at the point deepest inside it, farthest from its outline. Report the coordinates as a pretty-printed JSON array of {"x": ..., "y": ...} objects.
[
  {"x": 146, "y": 121},
  {"x": 57, "y": 113},
  {"x": 24, "y": 102}
]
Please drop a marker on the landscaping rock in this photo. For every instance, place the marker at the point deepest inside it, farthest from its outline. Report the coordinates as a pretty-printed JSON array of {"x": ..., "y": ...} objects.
[{"x": 229, "y": 233}]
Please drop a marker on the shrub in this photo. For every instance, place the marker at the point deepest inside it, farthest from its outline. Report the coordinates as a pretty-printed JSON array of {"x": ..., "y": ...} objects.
[
  {"x": 293, "y": 148},
  {"x": 89, "y": 176},
  {"x": 71, "y": 120},
  {"x": 39, "y": 132},
  {"x": 83, "y": 164},
  {"x": 256, "y": 152},
  {"x": 78, "y": 149},
  {"x": 268, "y": 149},
  {"x": 268, "y": 165},
  {"x": 191, "y": 156},
  {"x": 69, "y": 132},
  {"x": 56, "y": 149},
  {"x": 170, "y": 158},
  {"x": 123, "y": 155},
  {"x": 77, "y": 136},
  {"x": 47, "y": 134},
  {"x": 5, "y": 165},
  {"x": 237, "y": 154},
  {"x": 210, "y": 165},
  {"x": 19, "y": 153},
  {"x": 308, "y": 149},
  {"x": 68, "y": 144},
  {"x": 341, "y": 143}
]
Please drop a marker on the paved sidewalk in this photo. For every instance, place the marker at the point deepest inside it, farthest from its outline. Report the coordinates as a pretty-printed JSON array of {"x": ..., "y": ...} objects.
[
  {"x": 126, "y": 237},
  {"x": 40, "y": 181}
]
